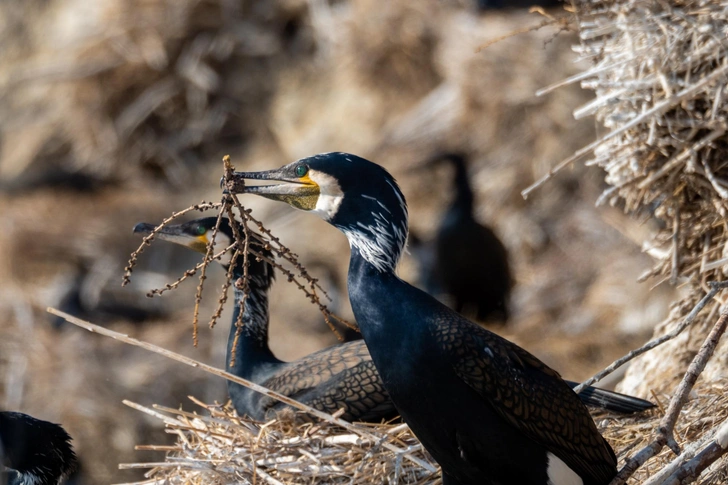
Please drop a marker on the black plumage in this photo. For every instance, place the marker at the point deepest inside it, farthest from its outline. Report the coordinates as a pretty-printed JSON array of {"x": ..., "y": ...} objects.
[
  {"x": 76, "y": 299},
  {"x": 32, "y": 451},
  {"x": 487, "y": 410},
  {"x": 485, "y": 5},
  {"x": 469, "y": 262}
]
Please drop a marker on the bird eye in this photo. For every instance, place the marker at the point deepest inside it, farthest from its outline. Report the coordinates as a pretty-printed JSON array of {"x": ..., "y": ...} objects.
[
  {"x": 301, "y": 170},
  {"x": 201, "y": 230}
]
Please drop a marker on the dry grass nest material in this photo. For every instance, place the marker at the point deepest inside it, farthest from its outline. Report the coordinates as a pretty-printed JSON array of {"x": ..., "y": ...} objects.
[
  {"x": 659, "y": 74},
  {"x": 218, "y": 447}
]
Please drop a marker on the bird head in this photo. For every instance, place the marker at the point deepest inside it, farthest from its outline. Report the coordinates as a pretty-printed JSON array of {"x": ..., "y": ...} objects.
[
  {"x": 196, "y": 235},
  {"x": 355, "y": 195},
  {"x": 34, "y": 451}
]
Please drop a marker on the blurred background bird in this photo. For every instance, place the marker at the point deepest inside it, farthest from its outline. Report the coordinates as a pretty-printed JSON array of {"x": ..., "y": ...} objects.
[{"x": 466, "y": 264}]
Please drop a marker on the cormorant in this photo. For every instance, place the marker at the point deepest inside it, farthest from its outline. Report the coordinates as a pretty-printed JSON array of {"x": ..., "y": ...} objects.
[
  {"x": 470, "y": 263},
  {"x": 338, "y": 377},
  {"x": 74, "y": 299},
  {"x": 487, "y": 410},
  {"x": 342, "y": 376},
  {"x": 56, "y": 178},
  {"x": 33, "y": 452}
]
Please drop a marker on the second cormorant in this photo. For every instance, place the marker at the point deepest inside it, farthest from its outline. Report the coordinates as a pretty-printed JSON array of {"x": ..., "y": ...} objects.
[
  {"x": 338, "y": 377},
  {"x": 470, "y": 263}
]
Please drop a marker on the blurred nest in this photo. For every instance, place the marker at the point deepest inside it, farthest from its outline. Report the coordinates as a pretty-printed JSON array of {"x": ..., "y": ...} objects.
[
  {"x": 141, "y": 84},
  {"x": 659, "y": 72},
  {"x": 219, "y": 447}
]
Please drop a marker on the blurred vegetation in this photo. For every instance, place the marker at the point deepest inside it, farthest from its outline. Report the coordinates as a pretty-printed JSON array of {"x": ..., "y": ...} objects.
[{"x": 117, "y": 112}]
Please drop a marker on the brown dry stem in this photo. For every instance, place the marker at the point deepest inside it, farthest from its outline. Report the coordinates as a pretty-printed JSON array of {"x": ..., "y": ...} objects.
[
  {"x": 202, "y": 206},
  {"x": 716, "y": 287},
  {"x": 665, "y": 430},
  {"x": 242, "y": 235},
  {"x": 360, "y": 431}
]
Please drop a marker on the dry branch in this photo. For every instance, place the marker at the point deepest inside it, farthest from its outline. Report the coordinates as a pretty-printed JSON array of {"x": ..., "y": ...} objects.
[
  {"x": 360, "y": 431},
  {"x": 241, "y": 246},
  {"x": 656, "y": 342}
]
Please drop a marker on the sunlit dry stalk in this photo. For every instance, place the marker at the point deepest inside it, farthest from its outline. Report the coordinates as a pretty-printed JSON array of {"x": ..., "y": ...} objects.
[
  {"x": 188, "y": 273},
  {"x": 242, "y": 235},
  {"x": 205, "y": 262},
  {"x": 283, "y": 252}
]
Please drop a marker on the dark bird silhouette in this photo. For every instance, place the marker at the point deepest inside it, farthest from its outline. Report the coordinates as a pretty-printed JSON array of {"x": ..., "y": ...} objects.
[
  {"x": 484, "y": 5},
  {"x": 33, "y": 452},
  {"x": 487, "y": 410},
  {"x": 75, "y": 299},
  {"x": 338, "y": 377},
  {"x": 342, "y": 376},
  {"x": 56, "y": 178},
  {"x": 469, "y": 262}
]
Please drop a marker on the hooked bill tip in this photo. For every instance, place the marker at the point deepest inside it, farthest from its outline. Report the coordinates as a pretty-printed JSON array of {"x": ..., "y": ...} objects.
[{"x": 233, "y": 185}]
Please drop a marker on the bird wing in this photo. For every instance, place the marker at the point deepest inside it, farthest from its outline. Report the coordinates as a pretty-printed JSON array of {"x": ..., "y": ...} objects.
[
  {"x": 343, "y": 376},
  {"x": 526, "y": 393}
]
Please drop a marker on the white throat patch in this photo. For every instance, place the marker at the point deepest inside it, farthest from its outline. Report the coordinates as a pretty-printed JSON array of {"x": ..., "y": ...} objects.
[
  {"x": 330, "y": 196},
  {"x": 559, "y": 472}
]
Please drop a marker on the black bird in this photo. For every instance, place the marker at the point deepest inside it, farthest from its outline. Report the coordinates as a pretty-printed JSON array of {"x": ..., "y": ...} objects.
[
  {"x": 470, "y": 263},
  {"x": 56, "y": 178},
  {"x": 484, "y": 5},
  {"x": 338, "y": 377},
  {"x": 33, "y": 452},
  {"x": 104, "y": 309},
  {"x": 487, "y": 410}
]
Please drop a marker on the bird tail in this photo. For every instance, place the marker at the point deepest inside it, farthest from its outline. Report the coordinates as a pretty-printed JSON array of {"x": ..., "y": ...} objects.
[{"x": 611, "y": 401}]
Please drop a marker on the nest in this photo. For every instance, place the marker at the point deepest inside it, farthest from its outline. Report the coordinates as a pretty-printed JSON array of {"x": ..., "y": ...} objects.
[
  {"x": 658, "y": 72},
  {"x": 218, "y": 447},
  {"x": 627, "y": 434}
]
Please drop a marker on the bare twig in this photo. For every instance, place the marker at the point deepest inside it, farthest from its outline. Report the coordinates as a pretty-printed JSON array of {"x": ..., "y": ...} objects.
[
  {"x": 658, "y": 108},
  {"x": 241, "y": 245},
  {"x": 665, "y": 431},
  {"x": 691, "y": 470},
  {"x": 715, "y": 288},
  {"x": 359, "y": 430},
  {"x": 202, "y": 206},
  {"x": 696, "y": 368}
]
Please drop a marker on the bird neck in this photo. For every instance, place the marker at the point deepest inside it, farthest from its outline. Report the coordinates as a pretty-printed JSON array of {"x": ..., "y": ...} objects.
[
  {"x": 374, "y": 294},
  {"x": 463, "y": 201},
  {"x": 380, "y": 243},
  {"x": 252, "y": 342}
]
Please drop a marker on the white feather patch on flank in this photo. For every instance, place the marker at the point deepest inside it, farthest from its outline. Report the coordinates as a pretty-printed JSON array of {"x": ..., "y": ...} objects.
[
  {"x": 559, "y": 472},
  {"x": 330, "y": 195}
]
